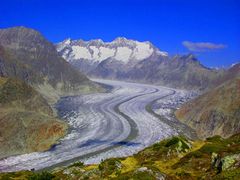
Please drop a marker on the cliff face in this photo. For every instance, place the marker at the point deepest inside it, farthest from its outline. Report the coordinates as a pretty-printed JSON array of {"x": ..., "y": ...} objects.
[
  {"x": 216, "y": 112},
  {"x": 27, "y": 122}
]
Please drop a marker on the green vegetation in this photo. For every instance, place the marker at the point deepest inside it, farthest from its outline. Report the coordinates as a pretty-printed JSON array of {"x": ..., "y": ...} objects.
[
  {"x": 77, "y": 164},
  {"x": 110, "y": 166},
  {"x": 41, "y": 176},
  {"x": 173, "y": 158}
]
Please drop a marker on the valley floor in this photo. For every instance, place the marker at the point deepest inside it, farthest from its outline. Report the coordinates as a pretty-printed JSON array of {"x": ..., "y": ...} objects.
[{"x": 118, "y": 123}]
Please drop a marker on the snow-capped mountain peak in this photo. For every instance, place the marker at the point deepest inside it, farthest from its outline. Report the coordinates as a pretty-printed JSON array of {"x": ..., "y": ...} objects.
[
  {"x": 123, "y": 41},
  {"x": 68, "y": 41},
  {"x": 96, "y": 51}
]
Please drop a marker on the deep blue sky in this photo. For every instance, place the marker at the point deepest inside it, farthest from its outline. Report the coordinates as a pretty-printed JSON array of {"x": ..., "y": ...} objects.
[{"x": 166, "y": 23}]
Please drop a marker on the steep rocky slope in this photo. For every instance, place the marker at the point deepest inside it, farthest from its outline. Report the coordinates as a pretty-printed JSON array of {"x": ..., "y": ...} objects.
[
  {"x": 216, "y": 112},
  {"x": 26, "y": 54},
  {"x": 27, "y": 122}
]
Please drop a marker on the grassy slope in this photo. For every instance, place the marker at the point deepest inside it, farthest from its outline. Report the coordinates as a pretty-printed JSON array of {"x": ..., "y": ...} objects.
[
  {"x": 174, "y": 158},
  {"x": 27, "y": 122}
]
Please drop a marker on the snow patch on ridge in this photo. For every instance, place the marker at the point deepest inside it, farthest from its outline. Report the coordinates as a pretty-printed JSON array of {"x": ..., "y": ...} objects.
[
  {"x": 96, "y": 52},
  {"x": 142, "y": 51},
  {"x": 123, "y": 54},
  {"x": 106, "y": 53},
  {"x": 81, "y": 52}
]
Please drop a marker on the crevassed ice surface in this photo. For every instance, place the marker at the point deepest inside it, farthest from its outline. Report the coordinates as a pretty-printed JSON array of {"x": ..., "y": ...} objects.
[{"x": 102, "y": 125}]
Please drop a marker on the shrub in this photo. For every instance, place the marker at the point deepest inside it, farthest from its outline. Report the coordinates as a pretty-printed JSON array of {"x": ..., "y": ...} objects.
[
  {"x": 210, "y": 148},
  {"x": 41, "y": 176},
  {"x": 196, "y": 154},
  {"x": 109, "y": 166},
  {"x": 144, "y": 175},
  {"x": 77, "y": 164},
  {"x": 215, "y": 139}
]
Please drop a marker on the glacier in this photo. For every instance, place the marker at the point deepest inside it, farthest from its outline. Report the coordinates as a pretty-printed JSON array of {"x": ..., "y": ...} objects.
[{"x": 103, "y": 125}]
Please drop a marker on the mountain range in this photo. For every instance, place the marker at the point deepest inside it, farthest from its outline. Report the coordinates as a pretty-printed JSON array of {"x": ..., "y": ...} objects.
[
  {"x": 131, "y": 60},
  {"x": 87, "y": 55}
]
